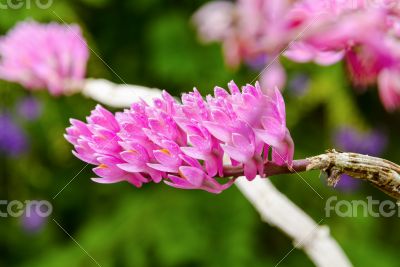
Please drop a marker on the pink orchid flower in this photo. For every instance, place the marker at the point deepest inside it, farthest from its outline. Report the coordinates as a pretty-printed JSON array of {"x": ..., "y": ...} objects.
[
  {"x": 184, "y": 144},
  {"x": 44, "y": 56}
]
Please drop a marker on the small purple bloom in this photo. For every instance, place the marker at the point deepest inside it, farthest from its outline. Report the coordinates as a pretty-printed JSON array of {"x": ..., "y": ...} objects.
[
  {"x": 349, "y": 139},
  {"x": 12, "y": 139},
  {"x": 347, "y": 184},
  {"x": 29, "y": 108},
  {"x": 258, "y": 63},
  {"x": 299, "y": 84},
  {"x": 371, "y": 143},
  {"x": 33, "y": 218}
]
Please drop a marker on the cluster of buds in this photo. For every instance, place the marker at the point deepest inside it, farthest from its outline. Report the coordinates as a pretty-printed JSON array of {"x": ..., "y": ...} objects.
[{"x": 186, "y": 144}]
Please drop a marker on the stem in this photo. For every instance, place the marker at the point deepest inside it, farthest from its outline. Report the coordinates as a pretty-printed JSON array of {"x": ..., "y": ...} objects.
[
  {"x": 270, "y": 168},
  {"x": 382, "y": 173}
]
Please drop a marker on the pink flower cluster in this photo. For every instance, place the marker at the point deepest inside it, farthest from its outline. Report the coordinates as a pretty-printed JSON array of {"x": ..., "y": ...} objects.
[
  {"x": 44, "y": 56},
  {"x": 363, "y": 33},
  {"x": 185, "y": 144}
]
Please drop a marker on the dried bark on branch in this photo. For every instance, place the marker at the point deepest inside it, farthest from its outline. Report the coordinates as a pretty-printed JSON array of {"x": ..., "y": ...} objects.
[{"x": 382, "y": 173}]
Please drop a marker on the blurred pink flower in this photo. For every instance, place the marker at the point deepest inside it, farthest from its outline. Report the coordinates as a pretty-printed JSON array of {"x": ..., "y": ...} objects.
[
  {"x": 363, "y": 33},
  {"x": 273, "y": 75},
  {"x": 389, "y": 89},
  {"x": 303, "y": 52},
  {"x": 44, "y": 56},
  {"x": 185, "y": 144},
  {"x": 248, "y": 28},
  {"x": 214, "y": 20},
  {"x": 365, "y": 36}
]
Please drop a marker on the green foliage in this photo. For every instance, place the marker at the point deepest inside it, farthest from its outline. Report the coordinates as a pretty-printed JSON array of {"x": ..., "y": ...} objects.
[{"x": 152, "y": 43}]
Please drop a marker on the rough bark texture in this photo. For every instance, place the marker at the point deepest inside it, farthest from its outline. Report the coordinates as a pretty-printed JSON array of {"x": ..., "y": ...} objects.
[{"x": 381, "y": 173}]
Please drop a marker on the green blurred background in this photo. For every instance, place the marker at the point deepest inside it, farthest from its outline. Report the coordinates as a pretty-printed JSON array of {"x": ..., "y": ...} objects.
[{"x": 152, "y": 43}]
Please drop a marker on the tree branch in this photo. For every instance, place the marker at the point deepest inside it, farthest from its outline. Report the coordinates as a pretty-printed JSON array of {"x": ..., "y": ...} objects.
[
  {"x": 118, "y": 95},
  {"x": 382, "y": 173},
  {"x": 277, "y": 210}
]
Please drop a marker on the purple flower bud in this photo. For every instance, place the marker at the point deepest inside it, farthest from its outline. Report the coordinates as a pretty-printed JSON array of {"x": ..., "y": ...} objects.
[
  {"x": 29, "y": 108},
  {"x": 350, "y": 140},
  {"x": 299, "y": 84},
  {"x": 371, "y": 143},
  {"x": 12, "y": 139},
  {"x": 33, "y": 218},
  {"x": 258, "y": 63}
]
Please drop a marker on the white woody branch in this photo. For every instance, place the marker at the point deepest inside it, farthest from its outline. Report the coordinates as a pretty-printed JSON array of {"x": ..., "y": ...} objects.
[
  {"x": 117, "y": 95},
  {"x": 277, "y": 210}
]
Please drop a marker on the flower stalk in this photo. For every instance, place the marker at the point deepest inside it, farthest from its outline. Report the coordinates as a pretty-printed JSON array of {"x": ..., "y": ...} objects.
[{"x": 382, "y": 173}]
